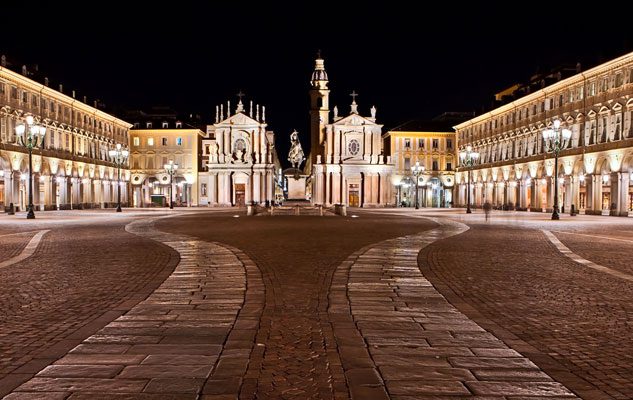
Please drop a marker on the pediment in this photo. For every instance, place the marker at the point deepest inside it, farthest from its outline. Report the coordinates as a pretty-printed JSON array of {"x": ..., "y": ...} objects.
[
  {"x": 355, "y": 120},
  {"x": 616, "y": 107},
  {"x": 569, "y": 119},
  {"x": 591, "y": 113},
  {"x": 603, "y": 109},
  {"x": 239, "y": 119}
]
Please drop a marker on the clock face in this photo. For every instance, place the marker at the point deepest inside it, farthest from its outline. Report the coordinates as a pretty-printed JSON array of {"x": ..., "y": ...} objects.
[{"x": 353, "y": 147}]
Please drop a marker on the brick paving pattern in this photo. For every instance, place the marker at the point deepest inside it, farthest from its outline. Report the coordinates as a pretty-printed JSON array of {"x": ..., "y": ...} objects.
[
  {"x": 400, "y": 339},
  {"x": 295, "y": 355},
  {"x": 12, "y": 244},
  {"x": 185, "y": 338},
  {"x": 80, "y": 278},
  {"x": 571, "y": 320}
]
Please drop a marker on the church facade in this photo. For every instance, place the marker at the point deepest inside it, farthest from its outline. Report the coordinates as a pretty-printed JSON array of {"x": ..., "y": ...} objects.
[
  {"x": 347, "y": 162},
  {"x": 238, "y": 159}
]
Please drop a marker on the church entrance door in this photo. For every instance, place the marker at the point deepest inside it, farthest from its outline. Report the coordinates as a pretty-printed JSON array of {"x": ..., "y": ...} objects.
[
  {"x": 240, "y": 194},
  {"x": 354, "y": 196}
]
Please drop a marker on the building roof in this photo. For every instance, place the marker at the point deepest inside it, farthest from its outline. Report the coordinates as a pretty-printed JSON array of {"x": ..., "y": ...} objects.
[{"x": 424, "y": 126}]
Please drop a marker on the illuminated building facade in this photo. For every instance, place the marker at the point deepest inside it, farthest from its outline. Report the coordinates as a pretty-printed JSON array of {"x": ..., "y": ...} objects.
[
  {"x": 72, "y": 170},
  {"x": 238, "y": 159},
  {"x": 347, "y": 161},
  {"x": 158, "y": 137},
  {"x": 515, "y": 169},
  {"x": 432, "y": 145}
]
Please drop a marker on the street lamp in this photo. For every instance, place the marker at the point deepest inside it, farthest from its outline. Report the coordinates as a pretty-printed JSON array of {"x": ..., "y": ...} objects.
[
  {"x": 416, "y": 170},
  {"x": 555, "y": 140},
  {"x": 468, "y": 158},
  {"x": 119, "y": 156},
  {"x": 30, "y": 135},
  {"x": 171, "y": 170}
]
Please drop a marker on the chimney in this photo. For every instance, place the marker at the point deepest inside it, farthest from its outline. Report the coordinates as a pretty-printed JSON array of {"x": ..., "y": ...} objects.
[{"x": 61, "y": 88}]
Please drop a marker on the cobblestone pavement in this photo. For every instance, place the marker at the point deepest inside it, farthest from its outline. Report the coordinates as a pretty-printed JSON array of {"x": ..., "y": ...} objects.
[
  {"x": 300, "y": 307},
  {"x": 572, "y": 321},
  {"x": 400, "y": 339},
  {"x": 12, "y": 244},
  {"x": 84, "y": 273},
  {"x": 295, "y": 356},
  {"x": 191, "y": 335}
]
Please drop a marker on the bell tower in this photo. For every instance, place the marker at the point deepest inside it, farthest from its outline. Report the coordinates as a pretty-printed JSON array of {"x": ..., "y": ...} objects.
[{"x": 319, "y": 108}]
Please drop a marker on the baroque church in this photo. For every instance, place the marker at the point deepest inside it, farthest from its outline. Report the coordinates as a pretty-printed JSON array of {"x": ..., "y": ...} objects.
[
  {"x": 238, "y": 158},
  {"x": 347, "y": 162}
]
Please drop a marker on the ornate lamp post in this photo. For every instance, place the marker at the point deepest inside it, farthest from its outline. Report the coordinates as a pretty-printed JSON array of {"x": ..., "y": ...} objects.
[
  {"x": 468, "y": 158},
  {"x": 119, "y": 156},
  {"x": 30, "y": 135},
  {"x": 416, "y": 170},
  {"x": 555, "y": 140},
  {"x": 171, "y": 170}
]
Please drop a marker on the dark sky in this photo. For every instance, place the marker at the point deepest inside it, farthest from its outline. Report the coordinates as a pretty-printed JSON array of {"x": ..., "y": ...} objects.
[{"x": 409, "y": 63}]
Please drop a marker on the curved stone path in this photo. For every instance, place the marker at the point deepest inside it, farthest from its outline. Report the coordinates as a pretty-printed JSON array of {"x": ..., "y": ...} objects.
[
  {"x": 186, "y": 338},
  {"x": 398, "y": 337},
  {"x": 218, "y": 329}
]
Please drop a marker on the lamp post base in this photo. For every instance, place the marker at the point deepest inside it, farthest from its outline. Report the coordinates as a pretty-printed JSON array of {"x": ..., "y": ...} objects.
[
  {"x": 468, "y": 210},
  {"x": 30, "y": 214},
  {"x": 118, "y": 208},
  {"x": 555, "y": 215}
]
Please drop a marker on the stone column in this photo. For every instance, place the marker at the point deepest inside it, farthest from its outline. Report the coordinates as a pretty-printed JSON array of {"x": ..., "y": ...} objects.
[
  {"x": 616, "y": 193},
  {"x": 596, "y": 186},
  {"x": 257, "y": 186},
  {"x": 589, "y": 192},
  {"x": 623, "y": 203},
  {"x": 36, "y": 193}
]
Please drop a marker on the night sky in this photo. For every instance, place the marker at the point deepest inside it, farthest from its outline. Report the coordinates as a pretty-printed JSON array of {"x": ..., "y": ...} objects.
[{"x": 409, "y": 64}]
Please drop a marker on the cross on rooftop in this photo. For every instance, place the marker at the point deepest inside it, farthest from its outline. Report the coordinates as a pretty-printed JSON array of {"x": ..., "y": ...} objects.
[{"x": 353, "y": 94}]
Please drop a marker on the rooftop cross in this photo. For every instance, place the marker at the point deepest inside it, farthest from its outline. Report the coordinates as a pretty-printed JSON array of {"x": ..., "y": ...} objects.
[
  {"x": 240, "y": 95},
  {"x": 353, "y": 94}
]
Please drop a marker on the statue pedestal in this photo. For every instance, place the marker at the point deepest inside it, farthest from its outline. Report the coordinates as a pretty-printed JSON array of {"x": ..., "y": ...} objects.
[{"x": 295, "y": 184}]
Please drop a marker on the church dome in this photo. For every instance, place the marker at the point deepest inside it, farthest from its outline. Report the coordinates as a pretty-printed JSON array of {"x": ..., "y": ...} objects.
[{"x": 319, "y": 73}]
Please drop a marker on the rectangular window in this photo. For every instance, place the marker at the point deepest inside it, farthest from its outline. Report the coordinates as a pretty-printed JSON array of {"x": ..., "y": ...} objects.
[
  {"x": 148, "y": 125},
  {"x": 165, "y": 125},
  {"x": 68, "y": 142},
  {"x": 449, "y": 166},
  {"x": 1, "y": 87},
  {"x": 179, "y": 141},
  {"x": 618, "y": 80},
  {"x": 164, "y": 141},
  {"x": 435, "y": 165},
  {"x": 421, "y": 143},
  {"x": 407, "y": 143},
  {"x": 449, "y": 143},
  {"x": 137, "y": 141},
  {"x": 25, "y": 97},
  {"x": 436, "y": 143},
  {"x": 3, "y": 128},
  {"x": 14, "y": 93},
  {"x": 203, "y": 189},
  {"x": 407, "y": 163},
  {"x": 150, "y": 141}
]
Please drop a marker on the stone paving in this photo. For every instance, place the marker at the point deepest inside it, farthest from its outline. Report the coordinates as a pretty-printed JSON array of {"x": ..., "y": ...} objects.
[
  {"x": 82, "y": 275},
  {"x": 296, "y": 355},
  {"x": 399, "y": 338},
  {"x": 12, "y": 244},
  {"x": 187, "y": 337},
  {"x": 573, "y": 321},
  {"x": 337, "y": 308}
]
